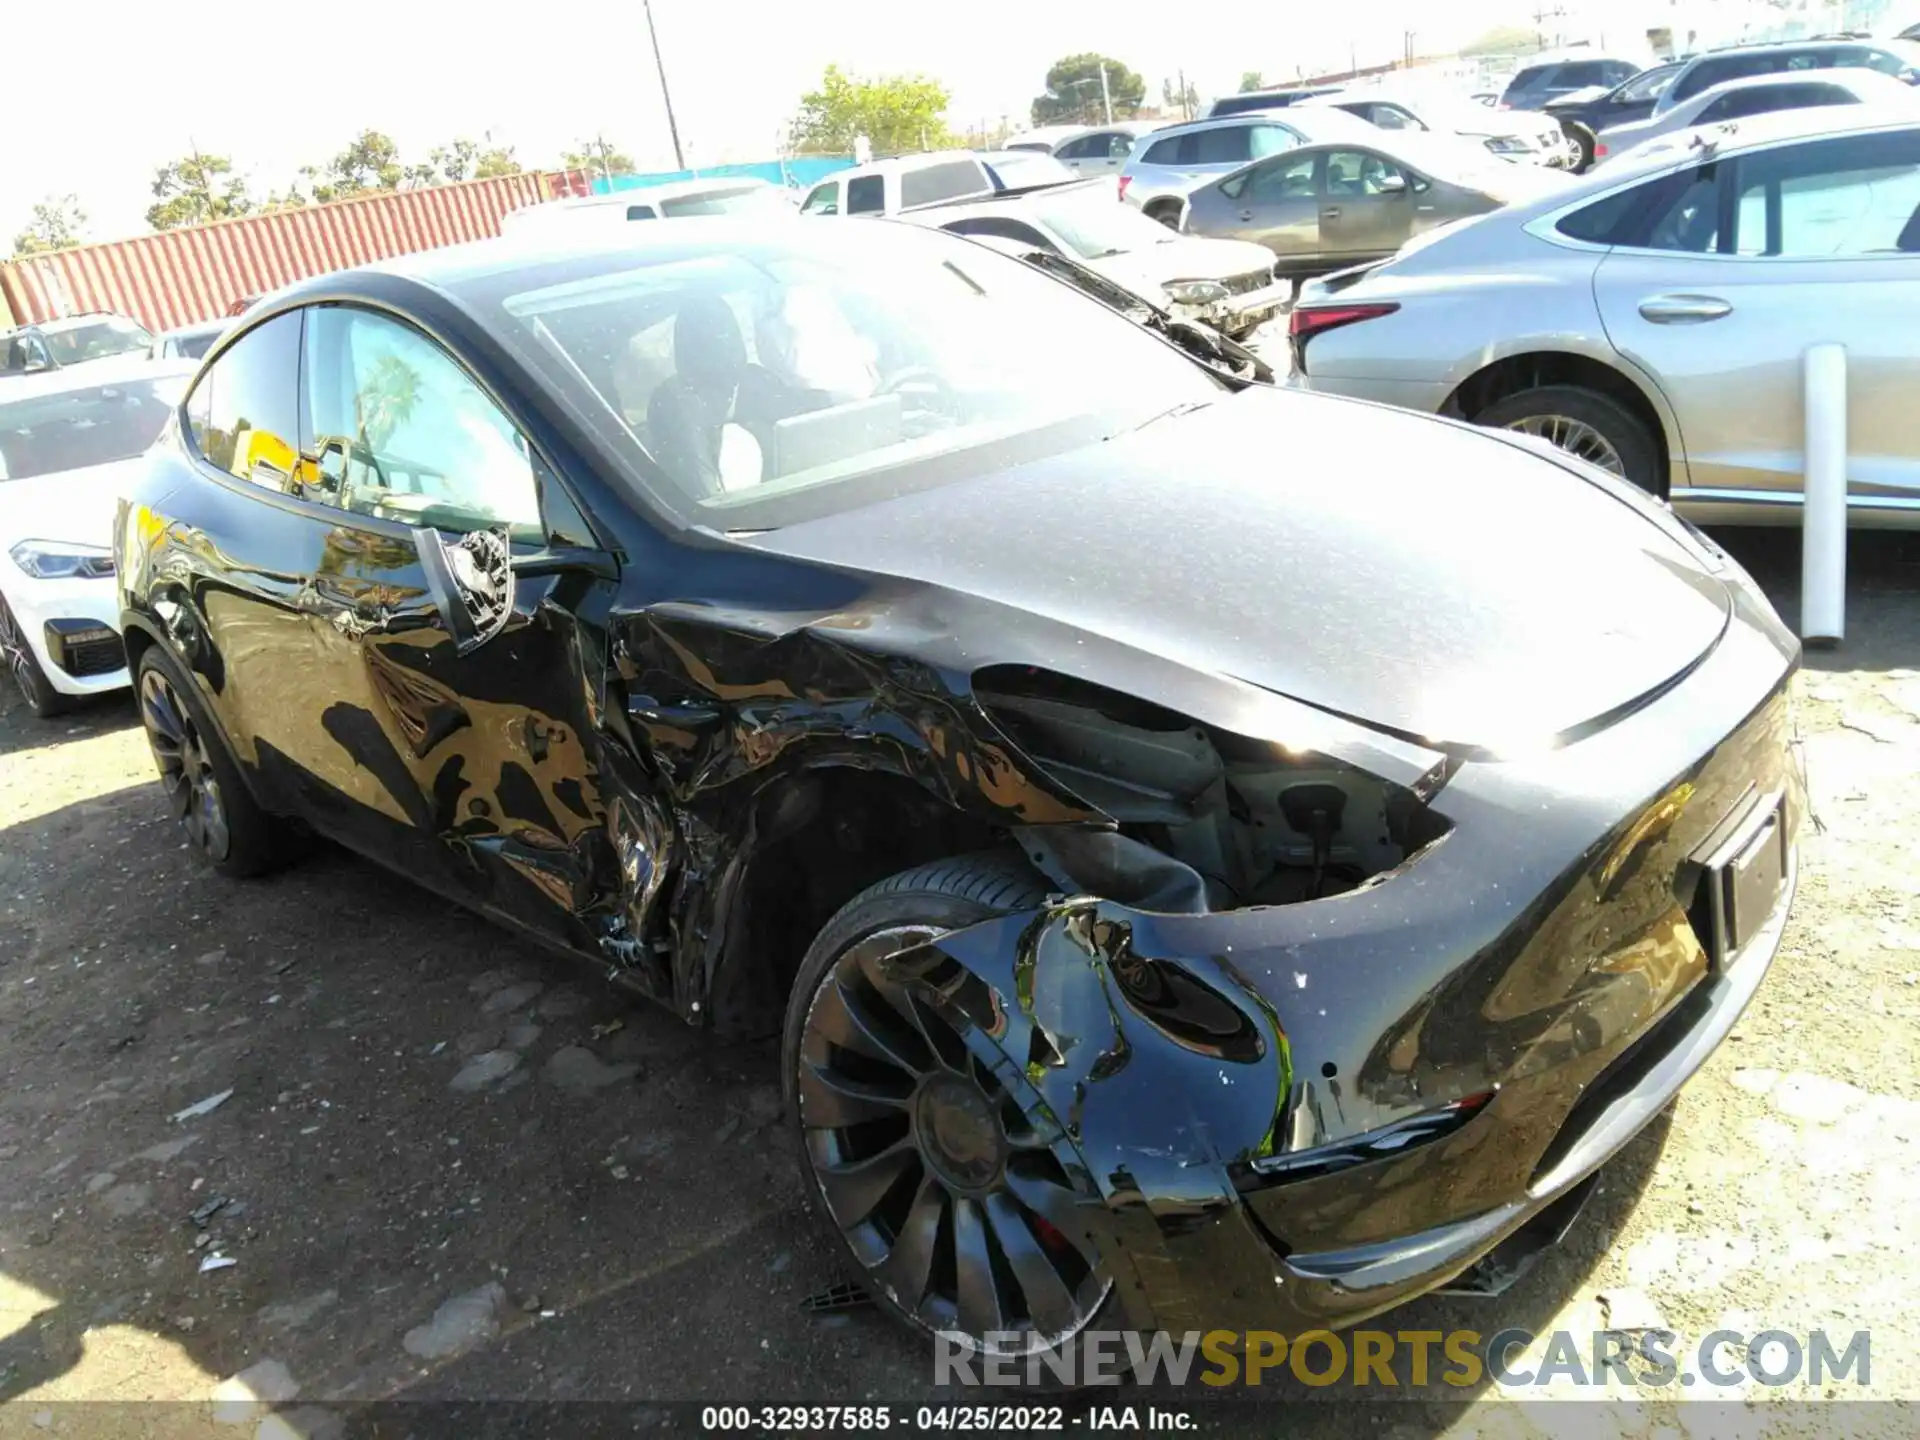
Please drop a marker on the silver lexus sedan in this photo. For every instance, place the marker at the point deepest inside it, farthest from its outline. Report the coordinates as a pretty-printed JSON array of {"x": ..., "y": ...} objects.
[{"x": 1653, "y": 318}]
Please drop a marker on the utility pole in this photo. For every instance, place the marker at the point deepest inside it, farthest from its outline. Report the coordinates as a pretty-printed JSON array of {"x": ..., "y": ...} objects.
[
  {"x": 600, "y": 143},
  {"x": 679, "y": 160},
  {"x": 1106, "y": 98},
  {"x": 1186, "y": 111}
]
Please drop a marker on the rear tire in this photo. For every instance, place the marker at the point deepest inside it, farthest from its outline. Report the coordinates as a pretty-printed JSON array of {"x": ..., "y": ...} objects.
[
  {"x": 226, "y": 828},
  {"x": 1595, "y": 427},
  {"x": 17, "y": 657},
  {"x": 950, "y": 1210},
  {"x": 1167, "y": 212}
]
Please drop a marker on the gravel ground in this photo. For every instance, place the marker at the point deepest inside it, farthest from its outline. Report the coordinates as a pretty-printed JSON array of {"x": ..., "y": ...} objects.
[{"x": 443, "y": 1165}]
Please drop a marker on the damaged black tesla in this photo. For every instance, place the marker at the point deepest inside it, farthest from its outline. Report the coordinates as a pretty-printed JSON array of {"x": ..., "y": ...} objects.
[{"x": 1217, "y": 857}]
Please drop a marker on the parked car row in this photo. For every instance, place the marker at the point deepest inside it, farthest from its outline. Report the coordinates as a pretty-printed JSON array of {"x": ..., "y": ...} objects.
[
  {"x": 840, "y": 632},
  {"x": 1652, "y": 319}
]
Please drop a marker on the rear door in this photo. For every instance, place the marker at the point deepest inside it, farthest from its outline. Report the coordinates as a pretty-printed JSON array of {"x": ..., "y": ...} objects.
[
  {"x": 1278, "y": 204},
  {"x": 1737, "y": 266}
]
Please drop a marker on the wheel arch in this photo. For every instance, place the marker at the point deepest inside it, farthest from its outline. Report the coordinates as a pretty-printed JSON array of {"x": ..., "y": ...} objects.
[
  {"x": 1529, "y": 369},
  {"x": 810, "y": 841}
]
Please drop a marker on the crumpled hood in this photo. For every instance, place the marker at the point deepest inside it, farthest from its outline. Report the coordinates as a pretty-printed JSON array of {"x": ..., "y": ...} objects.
[
  {"x": 1415, "y": 575},
  {"x": 76, "y": 505},
  {"x": 1189, "y": 257}
]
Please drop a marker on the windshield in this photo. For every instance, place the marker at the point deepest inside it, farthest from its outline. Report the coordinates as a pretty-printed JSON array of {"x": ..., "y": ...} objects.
[
  {"x": 760, "y": 381},
  {"x": 95, "y": 341},
  {"x": 747, "y": 200},
  {"x": 1094, "y": 227},
  {"x": 72, "y": 429}
]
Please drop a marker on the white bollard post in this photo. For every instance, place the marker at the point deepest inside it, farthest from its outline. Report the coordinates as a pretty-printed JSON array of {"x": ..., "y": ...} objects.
[{"x": 1823, "y": 519}]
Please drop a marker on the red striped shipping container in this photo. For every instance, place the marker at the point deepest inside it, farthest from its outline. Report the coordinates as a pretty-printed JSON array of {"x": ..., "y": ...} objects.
[{"x": 199, "y": 272}]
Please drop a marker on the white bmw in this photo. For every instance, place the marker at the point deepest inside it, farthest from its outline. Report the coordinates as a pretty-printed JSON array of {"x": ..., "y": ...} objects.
[{"x": 69, "y": 444}]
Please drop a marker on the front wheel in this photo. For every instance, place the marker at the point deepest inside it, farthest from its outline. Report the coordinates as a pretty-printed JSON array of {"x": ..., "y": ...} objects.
[
  {"x": 945, "y": 1189},
  {"x": 225, "y": 826},
  {"x": 24, "y": 666},
  {"x": 1584, "y": 423}
]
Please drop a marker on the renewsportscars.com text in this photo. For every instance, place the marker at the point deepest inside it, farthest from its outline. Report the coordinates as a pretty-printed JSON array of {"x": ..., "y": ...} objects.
[{"x": 1415, "y": 1359}]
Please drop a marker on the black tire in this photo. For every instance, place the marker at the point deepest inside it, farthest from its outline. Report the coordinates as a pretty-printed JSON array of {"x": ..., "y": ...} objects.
[
  {"x": 1167, "y": 212},
  {"x": 226, "y": 828},
  {"x": 1583, "y": 137},
  {"x": 18, "y": 660},
  {"x": 1632, "y": 442},
  {"x": 879, "y": 1125}
]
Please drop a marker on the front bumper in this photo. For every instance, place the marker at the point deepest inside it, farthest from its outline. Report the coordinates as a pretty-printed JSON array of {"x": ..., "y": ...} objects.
[
  {"x": 59, "y": 619},
  {"x": 1224, "y": 1080}
]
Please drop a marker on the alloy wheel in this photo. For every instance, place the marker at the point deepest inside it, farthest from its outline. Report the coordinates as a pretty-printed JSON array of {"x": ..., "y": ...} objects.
[
  {"x": 186, "y": 768},
  {"x": 13, "y": 649},
  {"x": 946, "y": 1189},
  {"x": 1576, "y": 437}
]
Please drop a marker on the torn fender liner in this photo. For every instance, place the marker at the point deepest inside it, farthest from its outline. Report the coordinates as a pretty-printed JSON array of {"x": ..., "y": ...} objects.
[{"x": 1158, "y": 1076}]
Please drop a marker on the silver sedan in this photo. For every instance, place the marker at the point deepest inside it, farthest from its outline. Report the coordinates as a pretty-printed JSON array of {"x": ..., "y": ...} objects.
[
  {"x": 1653, "y": 319},
  {"x": 1323, "y": 206}
]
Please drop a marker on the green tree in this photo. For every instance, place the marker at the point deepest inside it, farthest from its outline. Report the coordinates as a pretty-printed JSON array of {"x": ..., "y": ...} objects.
[
  {"x": 1073, "y": 90},
  {"x": 463, "y": 160},
  {"x": 897, "y": 113},
  {"x": 1251, "y": 80},
  {"x": 597, "y": 155},
  {"x": 56, "y": 225},
  {"x": 195, "y": 189},
  {"x": 370, "y": 163}
]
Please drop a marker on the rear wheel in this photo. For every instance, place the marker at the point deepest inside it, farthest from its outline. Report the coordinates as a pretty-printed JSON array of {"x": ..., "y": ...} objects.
[
  {"x": 225, "y": 826},
  {"x": 1167, "y": 212},
  {"x": 1585, "y": 423},
  {"x": 944, "y": 1188}
]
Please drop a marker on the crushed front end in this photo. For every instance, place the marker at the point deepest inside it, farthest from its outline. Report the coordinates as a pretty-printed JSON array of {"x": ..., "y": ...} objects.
[{"x": 1301, "y": 1110}]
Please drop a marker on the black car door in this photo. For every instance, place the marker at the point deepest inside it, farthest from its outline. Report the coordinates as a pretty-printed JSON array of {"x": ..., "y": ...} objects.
[{"x": 459, "y": 690}]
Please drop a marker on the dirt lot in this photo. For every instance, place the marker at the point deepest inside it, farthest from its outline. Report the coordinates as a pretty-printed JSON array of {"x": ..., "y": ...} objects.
[{"x": 445, "y": 1166}]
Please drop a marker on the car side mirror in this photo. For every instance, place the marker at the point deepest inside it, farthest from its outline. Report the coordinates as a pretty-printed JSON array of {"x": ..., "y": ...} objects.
[
  {"x": 470, "y": 581},
  {"x": 1391, "y": 185}
]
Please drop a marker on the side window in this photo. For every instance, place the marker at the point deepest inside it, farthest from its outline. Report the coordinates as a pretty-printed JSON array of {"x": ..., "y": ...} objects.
[
  {"x": 1119, "y": 146},
  {"x": 1279, "y": 180},
  {"x": 1850, "y": 196},
  {"x": 1359, "y": 173},
  {"x": 1392, "y": 117},
  {"x": 1229, "y": 145},
  {"x": 1731, "y": 107},
  {"x": 1264, "y": 140},
  {"x": 245, "y": 412},
  {"x": 823, "y": 199},
  {"x": 1611, "y": 221},
  {"x": 1618, "y": 73},
  {"x": 1687, "y": 218},
  {"x": 867, "y": 195},
  {"x": 1087, "y": 147},
  {"x": 403, "y": 433},
  {"x": 948, "y": 180},
  {"x": 1164, "y": 152},
  {"x": 1885, "y": 61},
  {"x": 641, "y": 212}
]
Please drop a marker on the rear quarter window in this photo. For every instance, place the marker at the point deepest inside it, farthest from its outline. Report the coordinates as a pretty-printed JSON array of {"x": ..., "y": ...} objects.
[
  {"x": 948, "y": 180},
  {"x": 1164, "y": 152}
]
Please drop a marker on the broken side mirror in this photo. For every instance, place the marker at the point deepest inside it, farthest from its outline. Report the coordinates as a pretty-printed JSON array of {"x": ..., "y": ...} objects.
[{"x": 470, "y": 580}]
